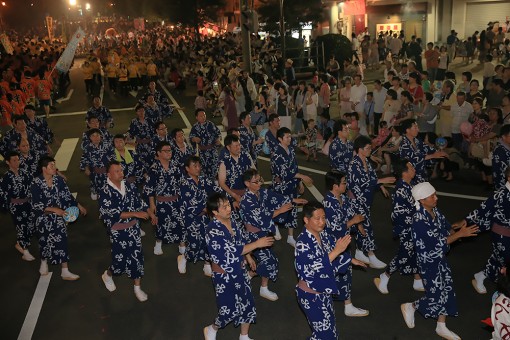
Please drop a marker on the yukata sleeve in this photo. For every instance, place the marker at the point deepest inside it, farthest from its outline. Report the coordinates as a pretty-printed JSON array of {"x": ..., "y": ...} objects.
[
  {"x": 85, "y": 159},
  {"x": 149, "y": 189},
  {"x": 400, "y": 212},
  {"x": 64, "y": 193},
  {"x": 223, "y": 252},
  {"x": 406, "y": 151},
  {"x": 315, "y": 270},
  {"x": 39, "y": 202},
  {"x": 484, "y": 215},
  {"x": 357, "y": 179},
  {"x": 253, "y": 214},
  {"x": 109, "y": 210},
  {"x": 4, "y": 195}
]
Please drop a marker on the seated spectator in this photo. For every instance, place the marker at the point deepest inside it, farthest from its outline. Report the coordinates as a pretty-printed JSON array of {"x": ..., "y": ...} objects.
[
  {"x": 390, "y": 151},
  {"x": 384, "y": 132}
]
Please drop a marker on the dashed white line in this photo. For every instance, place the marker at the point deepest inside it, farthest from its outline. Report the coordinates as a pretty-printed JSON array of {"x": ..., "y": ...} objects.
[{"x": 172, "y": 99}]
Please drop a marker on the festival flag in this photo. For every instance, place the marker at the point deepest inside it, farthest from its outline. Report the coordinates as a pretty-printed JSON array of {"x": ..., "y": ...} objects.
[
  {"x": 6, "y": 43},
  {"x": 49, "y": 25},
  {"x": 66, "y": 59}
]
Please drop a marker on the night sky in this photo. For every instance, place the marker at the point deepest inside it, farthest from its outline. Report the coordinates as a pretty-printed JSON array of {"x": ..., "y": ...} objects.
[{"x": 26, "y": 13}]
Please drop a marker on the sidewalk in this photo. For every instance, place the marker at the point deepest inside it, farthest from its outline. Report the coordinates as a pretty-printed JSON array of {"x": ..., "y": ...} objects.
[{"x": 458, "y": 66}]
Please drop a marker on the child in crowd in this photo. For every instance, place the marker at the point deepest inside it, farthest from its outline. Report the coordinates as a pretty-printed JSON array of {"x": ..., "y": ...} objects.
[
  {"x": 315, "y": 79},
  {"x": 311, "y": 133},
  {"x": 368, "y": 109},
  {"x": 200, "y": 80},
  {"x": 425, "y": 82},
  {"x": 389, "y": 151},
  {"x": 488, "y": 70},
  {"x": 200, "y": 101},
  {"x": 384, "y": 132}
]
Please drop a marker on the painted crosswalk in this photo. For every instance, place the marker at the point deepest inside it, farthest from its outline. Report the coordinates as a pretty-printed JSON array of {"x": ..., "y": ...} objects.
[{"x": 65, "y": 153}]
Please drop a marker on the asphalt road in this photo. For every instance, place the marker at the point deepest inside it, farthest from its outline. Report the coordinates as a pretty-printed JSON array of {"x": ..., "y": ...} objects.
[{"x": 179, "y": 306}]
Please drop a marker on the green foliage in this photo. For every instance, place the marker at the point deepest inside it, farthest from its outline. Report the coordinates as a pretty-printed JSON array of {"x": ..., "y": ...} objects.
[
  {"x": 296, "y": 12},
  {"x": 337, "y": 44},
  {"x": 189, "y": 12}
]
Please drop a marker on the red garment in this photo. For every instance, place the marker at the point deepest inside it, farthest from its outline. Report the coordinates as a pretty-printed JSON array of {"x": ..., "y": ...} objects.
[
  {"x": 5, "y": 112},
  {"x": 480, "y": 128},
  {"x": 19, "y": 97},
  {"x": 43, "y": 89},
  {"x": 231, "y": 112},
  {"x": 28, "y": 87},
  {"x": 417, "y": 94}
]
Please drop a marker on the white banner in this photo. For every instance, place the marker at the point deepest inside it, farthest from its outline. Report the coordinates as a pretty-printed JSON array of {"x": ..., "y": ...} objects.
[
  {"x": 4, "y": 39},
  {"x": 66, "y": 59}
]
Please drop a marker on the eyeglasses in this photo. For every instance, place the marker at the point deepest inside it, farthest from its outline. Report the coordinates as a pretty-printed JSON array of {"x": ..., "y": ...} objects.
[
  {"x": 162, "y": 128},
  {"x": 166, "y": 150},
  {"x": 257, "y": 181}
]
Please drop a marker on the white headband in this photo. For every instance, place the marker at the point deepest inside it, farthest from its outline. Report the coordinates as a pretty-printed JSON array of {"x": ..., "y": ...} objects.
[{"x": 421, "y": 191}]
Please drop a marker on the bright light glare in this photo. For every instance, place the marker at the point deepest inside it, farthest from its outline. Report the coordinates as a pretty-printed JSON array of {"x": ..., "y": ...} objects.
[
  {"x": 72, "y": 2},
  {"x": 87, "y": 6},
  {"x": 3, "y": 3}
]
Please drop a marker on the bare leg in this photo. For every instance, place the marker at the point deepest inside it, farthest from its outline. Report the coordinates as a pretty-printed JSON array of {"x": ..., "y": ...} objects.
[{"x": 245, "y": 328}]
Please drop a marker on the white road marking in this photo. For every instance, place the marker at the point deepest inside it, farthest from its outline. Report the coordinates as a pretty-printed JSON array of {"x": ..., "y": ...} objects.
[
  {"x": 82, "y": 113},
  {"x": 468, "y": 197},
  {"x": 66, "y": 98},
  {"x": 27, "y": 330},
  {"x": 315, "y": 192},
  {"x": 172, "y": 99},
  {"x": 65, "y": 153},
  {"x": 75, "y": 194},
  {"x": 320, "y": 172}
]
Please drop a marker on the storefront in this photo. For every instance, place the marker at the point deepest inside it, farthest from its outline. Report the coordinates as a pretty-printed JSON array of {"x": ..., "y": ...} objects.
[
  {"x": 410, "y": 17},
  {"x": 469, "y": 17}
]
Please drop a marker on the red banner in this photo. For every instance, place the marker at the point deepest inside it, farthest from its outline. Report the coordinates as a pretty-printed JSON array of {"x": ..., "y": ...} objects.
[{"x": 354, "y": 7}]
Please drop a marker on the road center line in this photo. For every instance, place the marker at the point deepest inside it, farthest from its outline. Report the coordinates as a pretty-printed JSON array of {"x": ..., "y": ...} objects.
[
  {"x": 439, "y": 193},
  {"x": 82, "y": 113},
  {"x": 181, "y": 113},
  {"x": 27, "y": 330},
  {"x": 66, "y": 98},
  {"x": 65, "y": 153}
]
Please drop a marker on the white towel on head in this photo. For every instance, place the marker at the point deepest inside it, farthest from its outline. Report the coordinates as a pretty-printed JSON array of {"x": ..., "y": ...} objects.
[{"x": 421, "y": 191}]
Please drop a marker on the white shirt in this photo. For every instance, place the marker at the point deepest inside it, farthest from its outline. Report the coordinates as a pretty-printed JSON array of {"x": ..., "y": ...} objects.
[
  {"x": 358, "y": 95},
  {"x": 379, "y": 98},
  {"x": 122, "y": 189},
  {"x": 460, "y": 114}
]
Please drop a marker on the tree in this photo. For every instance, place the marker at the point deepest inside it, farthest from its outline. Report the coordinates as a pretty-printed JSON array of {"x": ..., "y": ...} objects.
[
  {"x": 296, "y": 12},
  {"x": 192, "y": 12}
]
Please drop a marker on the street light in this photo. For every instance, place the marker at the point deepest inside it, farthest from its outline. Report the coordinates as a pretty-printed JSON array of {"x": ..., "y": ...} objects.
[
  {"x": 72, "y": 2},
  {"x": 87, "y": 6}
]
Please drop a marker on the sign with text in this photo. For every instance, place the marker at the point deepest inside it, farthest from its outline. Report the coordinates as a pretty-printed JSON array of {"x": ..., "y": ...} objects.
[{"x": 393, "y": 26}]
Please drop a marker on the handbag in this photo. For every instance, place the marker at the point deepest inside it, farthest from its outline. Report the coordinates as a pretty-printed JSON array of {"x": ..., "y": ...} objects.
[{"x": 477, "y": 150}]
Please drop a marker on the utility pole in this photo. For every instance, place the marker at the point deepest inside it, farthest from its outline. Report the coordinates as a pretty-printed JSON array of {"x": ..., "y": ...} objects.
[
  {"x": 282, "y": 30},
  {"x": 246, "y": 23}
]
